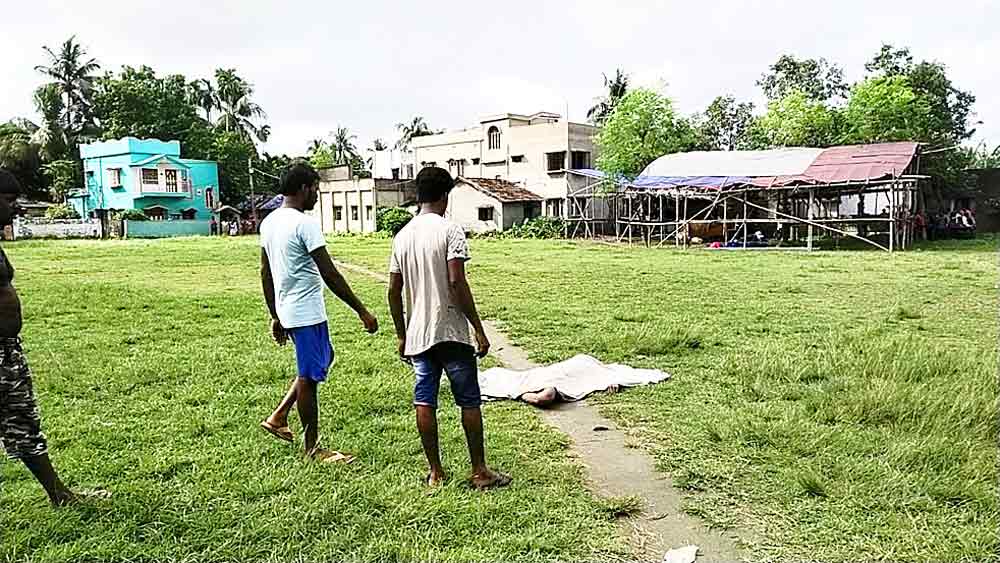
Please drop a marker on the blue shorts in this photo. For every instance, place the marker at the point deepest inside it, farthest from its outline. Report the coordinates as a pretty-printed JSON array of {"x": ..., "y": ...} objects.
[
  {"x": 313, "y": 351},
  {"x": 459, "y": 362}
]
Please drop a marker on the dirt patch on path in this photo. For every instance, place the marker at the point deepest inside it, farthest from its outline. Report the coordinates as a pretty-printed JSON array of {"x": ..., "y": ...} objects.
[{"x": 615, "y": 470}]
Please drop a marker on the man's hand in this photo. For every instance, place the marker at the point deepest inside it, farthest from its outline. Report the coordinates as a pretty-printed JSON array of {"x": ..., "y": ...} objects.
[
  {"x": 401, "y": 344},
  {"x": 278, "y": 332},
  {"x": 482, "y": 344},
  {"x": 370, "y": 322}
]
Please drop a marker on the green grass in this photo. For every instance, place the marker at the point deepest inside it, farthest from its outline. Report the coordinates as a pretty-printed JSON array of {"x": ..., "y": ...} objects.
[
  {"x": 826, "y": 406},
  {"x": 153, "y": 367}
]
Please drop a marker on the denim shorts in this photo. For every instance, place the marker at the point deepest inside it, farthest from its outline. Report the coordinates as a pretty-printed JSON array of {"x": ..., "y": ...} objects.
[
  {"x": 459, "y": 362},
  {"x": 313, "y": 351}
]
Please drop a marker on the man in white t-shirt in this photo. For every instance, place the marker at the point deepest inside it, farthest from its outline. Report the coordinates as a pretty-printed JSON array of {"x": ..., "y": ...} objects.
[
  {"x": 427, "y": 274},
  {"x": 294, "y": 266}
]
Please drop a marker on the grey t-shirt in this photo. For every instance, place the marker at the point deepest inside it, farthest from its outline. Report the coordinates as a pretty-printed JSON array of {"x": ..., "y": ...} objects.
[{"x": 420, "y": 253}]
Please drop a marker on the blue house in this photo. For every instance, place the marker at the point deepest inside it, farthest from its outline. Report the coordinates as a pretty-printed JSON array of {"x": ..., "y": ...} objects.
[{"x": 148, "y": 175}]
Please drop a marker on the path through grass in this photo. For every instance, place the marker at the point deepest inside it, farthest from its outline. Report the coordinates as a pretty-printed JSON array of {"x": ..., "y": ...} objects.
[{"x": 829, "y": 406}]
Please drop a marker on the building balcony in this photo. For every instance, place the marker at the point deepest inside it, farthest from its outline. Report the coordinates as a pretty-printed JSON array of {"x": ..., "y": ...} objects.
[{"x": 182, "y": 189}]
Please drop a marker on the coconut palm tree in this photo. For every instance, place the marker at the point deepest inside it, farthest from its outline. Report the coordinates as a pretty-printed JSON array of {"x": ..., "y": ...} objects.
[
  {"x": 73, "y": 74},
  {"x": 342, "y": 146},
  {"x": 379, "y": 145},
  {"x": 606, "y": 104},
  {"x": 239, "y": 113},
  {"x": 203, "y": 94},
  {"x": 417, "y": 127}
]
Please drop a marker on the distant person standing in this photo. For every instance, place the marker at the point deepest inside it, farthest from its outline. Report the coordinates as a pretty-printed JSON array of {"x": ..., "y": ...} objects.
[
  {"x": 428, "y": 268},
  {"x": 20, "y": 422},
  {"x": 294, "y": 266},
  {"x": 234, "y": 228},
  {"x": 213, "y": 226}
]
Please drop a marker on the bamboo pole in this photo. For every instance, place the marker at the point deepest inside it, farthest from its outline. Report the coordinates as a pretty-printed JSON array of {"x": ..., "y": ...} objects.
[
  {"x": 892, "y": 217},
  {"x": 745, "y": 217},
  {"x": 824, "y": 227},
  {"x": 809, "y": 232}
]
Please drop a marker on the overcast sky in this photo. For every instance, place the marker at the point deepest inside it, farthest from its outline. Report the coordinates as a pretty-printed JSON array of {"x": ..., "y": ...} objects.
[{"x": 369, "y": 64}]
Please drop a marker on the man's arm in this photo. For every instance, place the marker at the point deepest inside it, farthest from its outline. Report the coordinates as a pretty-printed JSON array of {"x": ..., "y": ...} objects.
[
  {"x": 396, "y": 309},
  {"x": 339, "y": 286},
  {"x": 267, "y": 284},
  {"x": 462, "y": 294}
]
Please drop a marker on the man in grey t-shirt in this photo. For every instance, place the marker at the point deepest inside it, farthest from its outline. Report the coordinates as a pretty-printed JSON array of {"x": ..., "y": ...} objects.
[{"x": 427, "y": 275}]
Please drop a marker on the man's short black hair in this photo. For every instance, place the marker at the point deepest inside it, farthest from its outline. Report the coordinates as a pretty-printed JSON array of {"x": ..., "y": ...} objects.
[
  {"x": 297, "y": 176},
  {"x": 9, "y": 183},
  {"x": 433, "y": 184}
]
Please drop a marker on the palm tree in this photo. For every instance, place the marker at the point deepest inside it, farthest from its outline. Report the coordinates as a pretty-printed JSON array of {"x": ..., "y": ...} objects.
[
  {"x": 314, "y": 146},
  {"x": 379, "y": 145},
  {"x": 238, "y": 112},
  {"x": 72, "y": 73},
  {"x": 408, "y": 131},
  {"x": 50, "y": 137},
  {"x": 204, "y": 96},
  {"x": 606, "y": 104},
  {"x": 342, "y": 146}
]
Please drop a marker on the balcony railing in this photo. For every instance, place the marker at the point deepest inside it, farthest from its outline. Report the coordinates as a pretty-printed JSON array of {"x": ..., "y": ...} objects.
[{"x": 183, "y": 188}]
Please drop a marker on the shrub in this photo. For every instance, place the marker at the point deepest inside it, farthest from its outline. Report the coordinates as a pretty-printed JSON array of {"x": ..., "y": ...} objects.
[
  {"x": 133, "y": 215},
  {"x": 61, "y": 212},
  {"x": 539, "y": 228},
  {"x": 391, "y": 220}
]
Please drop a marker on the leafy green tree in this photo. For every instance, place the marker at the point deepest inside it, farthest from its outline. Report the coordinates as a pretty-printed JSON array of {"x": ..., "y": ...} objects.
[
  {"x": 139, "y": 103},
  {"x": 816, "y": 78},
  {"x": 50, "y": 137},
  {"x": 72, "y": 74},
  {"x": 797, "y": 120},
  {"x": 886, "y": 109},
  {"x": 20, "y": 156},
  {"x": 233, "y": 152},
  {"x": 950, "y": 107},
  {"x": 643, "y": 127},
  {"x": 725, "y": 125},
  {"x": 61, "y": 211},
  {"x": 64, "y": 176},
  {"x": 417, "y": 127},
  {"x": 617, "y": 88}
]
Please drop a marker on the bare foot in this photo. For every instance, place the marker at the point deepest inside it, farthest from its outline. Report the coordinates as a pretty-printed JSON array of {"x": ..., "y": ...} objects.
[
  {"x": 435, "y": 479},
  {"x": 542, "y": 398},
  {"x": 490, "y": 479}
]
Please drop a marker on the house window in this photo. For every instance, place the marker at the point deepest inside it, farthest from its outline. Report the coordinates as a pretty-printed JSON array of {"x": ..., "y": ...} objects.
[
  {"x": 150, "y": 176},
  {"x": 395, "y": 173},
  {"x": 338, "y": 212},
  {"x": 90, "y": 177},
  {"x": 409, "y": 171},
  {"x": 555, "y": 208},
  {"x": 580, "y": 160},
  {"x": 485, "y": 213},
  {"x": 354, "y": 213},
  {"x": 155, "y": 214},
  {"x": 368, "y": 212},
  {"x": 115, "y": 175},
  {"x": 457, "y": 167},
  {"x": 493, "y": 134},
  {"x": 188, "y": 214},
  {"x": 532, "y": 210},
  {"x": 209, "y": 198},
  {"x": 171, "y": 176},
  {"x": 555, "y": 161},
  {"x": 517, "y": 158}
]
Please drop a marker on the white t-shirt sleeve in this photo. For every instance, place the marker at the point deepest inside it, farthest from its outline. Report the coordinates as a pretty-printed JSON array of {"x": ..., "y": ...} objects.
[
  {"x": 394, "y": 266},
  {"x": 458, "y": 246},
  {"x": 311, "y": 235}
]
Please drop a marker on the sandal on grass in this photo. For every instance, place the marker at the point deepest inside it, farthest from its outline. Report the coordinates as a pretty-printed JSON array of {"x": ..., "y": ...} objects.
[
  {"x": 494, "y": 481},
  {"x": 330, "y": 456},
  {"x": 281, "y": 433}
]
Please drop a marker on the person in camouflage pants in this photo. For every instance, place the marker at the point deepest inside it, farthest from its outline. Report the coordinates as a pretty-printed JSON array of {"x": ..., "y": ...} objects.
[{"x": 20, "y": 425}]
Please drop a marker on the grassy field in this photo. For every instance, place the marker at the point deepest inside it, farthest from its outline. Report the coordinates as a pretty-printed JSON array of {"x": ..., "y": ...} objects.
[
  {"x": 154, "y": 366},
  {"x": 828, "y": 406}
]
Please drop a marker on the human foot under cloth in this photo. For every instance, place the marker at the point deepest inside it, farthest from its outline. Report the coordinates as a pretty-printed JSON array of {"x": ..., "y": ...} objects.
[{"x": 569, "y": 380}]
